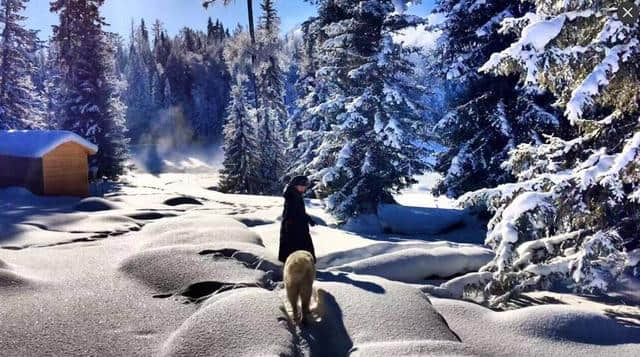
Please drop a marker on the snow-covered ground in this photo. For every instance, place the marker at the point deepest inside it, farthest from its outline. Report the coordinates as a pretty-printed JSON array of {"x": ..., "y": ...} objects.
[{"x": 165, "y": 265}]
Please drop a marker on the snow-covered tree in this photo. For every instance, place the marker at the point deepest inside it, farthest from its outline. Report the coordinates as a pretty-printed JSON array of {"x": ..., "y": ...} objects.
[
  {"x": 573, "y": 217},
  {"x": 89, "y": 99},
  {"x": 52, "y": 85},
  {"x": 367, "y": 123},
  {"x": 243, "y": 161},
  {"x": 272, "y": 114},
  {"x": 252, "y": 36},
  {"x": 487, "y": 116},
  {"x": 305, "y": 126},
  {"x": 21, "y": 104},
  {"x": 140, "y": 71},
  {"x": 241, "y": 172}
]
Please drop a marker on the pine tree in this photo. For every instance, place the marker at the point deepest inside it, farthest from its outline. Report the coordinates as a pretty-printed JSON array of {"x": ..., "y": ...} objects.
[
  {"x": 89, "y": 99},
  {"x": 252, "y": 36},
  {"x": 488, "y": 116},
  {"x": 241, "y": 173},
  {"x": 52, "y": 85},
  {"x": 140, "y": 72},
  {"x": 21, "y": 105},
  {"x": 572, "y": 218},
  {"x": 367, "y": 122},
  {"x": 272, "y": 113},
  {"x": 306, "y": 126}
]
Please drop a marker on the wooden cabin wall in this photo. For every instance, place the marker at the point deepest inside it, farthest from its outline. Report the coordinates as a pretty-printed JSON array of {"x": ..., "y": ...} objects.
[{"x": 66, "y": 171}]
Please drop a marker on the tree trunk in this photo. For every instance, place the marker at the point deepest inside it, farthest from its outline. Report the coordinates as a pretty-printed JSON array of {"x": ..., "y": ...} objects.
[
  {"x": 6, "y": 38},
  {"x": 252, "y": 33}
]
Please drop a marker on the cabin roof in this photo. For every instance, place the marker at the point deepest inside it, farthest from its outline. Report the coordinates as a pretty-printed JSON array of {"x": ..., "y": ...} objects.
[{"x": 37, "y": 143}]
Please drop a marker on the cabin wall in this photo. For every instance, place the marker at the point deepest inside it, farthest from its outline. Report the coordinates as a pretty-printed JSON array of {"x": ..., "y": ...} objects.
[
  {"x": 23, "y": 172},
  {"x": 66, "y": 171}
]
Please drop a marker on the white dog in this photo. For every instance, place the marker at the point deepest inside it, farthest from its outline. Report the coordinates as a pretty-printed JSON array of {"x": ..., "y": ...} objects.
[{"x": 299, "y": 274}]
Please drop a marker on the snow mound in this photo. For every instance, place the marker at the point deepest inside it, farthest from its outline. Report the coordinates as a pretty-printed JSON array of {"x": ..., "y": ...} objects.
[
  {"x": 419, "y": 220},
  {"x": 3, "y": 265},
  {"x": 374, "y": 310},
  {"x": 248, "y": 322},
  {"x": 196, "y": 229},
  {"x": 197, "y": 236},
  {"x": 363, "y": 224},
  {"x": 171, "y": 269},
  {"x": 37, "y": 143},
  {"x": 549, "y": 330},
  {"x": 17, "y": 236},
  {"x": 84, "y": 223},
  {"x": 182, "y": 200},
  {"x": 94, "y": 204},
  {"x": 413, "y": 348},
  {"x": 192, "y": 220},
  {"x": 252, "y": 255},
  {"x": 15, "y": 192},
  {"x": 350, "y": 313},
  {"x": 146, "y": 215},
  {"x": 10, "y": 279},
  {"x": 252, "y": 221},
  {"x": 414, "y": 265}
]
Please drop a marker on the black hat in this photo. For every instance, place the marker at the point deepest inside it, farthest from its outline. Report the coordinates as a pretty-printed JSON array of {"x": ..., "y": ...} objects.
[{"x": 299, "y": 181}]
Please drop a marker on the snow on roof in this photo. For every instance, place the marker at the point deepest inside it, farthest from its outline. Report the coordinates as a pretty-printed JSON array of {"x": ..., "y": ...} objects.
[{"x": 37, "y": 143}]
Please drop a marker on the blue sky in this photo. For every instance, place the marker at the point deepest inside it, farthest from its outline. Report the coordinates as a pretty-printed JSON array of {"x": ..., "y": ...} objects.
[{"x": 176, "y": 14}]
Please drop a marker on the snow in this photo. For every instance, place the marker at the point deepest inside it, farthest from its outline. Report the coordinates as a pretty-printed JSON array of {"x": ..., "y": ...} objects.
[
  {"x": 37, "y": 143},
  {"x": 536, "y": 35},
  {"x": 414, "y": 265},
  {"x": 546, "y": 330},
  {"x": 599, "y": 77},
  {"x": 630, "y": 153},
  {"x": 454, "y": 288},
  {"x": 191, "y": 279},
  {"x": 523, "y": 203},
  {"x": 418, "y": 220},
  {"x": 417, "y": 36}
]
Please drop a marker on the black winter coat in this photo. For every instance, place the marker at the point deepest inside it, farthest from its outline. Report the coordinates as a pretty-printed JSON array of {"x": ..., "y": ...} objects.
[{"x": 294, "y": 230}]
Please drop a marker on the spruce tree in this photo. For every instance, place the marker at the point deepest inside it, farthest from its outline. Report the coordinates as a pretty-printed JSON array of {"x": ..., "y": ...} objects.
[
  {"x": 572, "y": 218},
  {"x": 243, "y": 162},
  {"x": 487, "y": 116},
  {"x": 21, "y": 104},
  {"x": 272, "y": 113},
  {"x": 367, "y": 123},
  {"x": 89, "y": 98},
  {"x": 241, "y": 172},
  {"x": 140, "y": 72}
]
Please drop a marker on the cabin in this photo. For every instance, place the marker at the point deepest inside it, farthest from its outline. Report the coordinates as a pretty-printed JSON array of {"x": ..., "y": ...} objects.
[{"x": 46, "y": 162}]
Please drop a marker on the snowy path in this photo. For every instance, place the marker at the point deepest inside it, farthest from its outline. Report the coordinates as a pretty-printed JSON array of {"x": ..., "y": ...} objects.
[{"x": 151, "y": 271}]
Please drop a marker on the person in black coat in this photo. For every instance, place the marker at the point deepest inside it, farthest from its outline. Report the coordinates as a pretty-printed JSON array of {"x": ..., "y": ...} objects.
[{"x": 294, "y": 230}]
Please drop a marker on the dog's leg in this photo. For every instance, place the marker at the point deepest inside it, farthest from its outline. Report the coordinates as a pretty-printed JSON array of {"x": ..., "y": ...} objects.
[
  {"x": 305, "y": 296},
  {"x": 292, "y": 295}
]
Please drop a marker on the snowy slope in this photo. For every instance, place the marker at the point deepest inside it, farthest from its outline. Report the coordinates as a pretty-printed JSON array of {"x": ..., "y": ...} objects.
[{"x": 165, "y": 266}]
